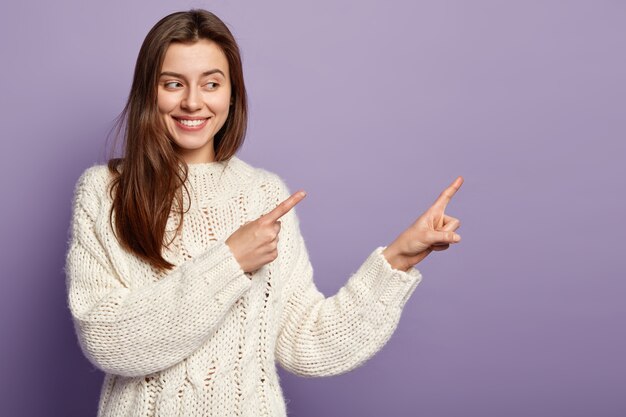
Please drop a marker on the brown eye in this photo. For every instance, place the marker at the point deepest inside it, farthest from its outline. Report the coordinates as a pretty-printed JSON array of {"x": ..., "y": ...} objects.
[{"x": 172, "y": 84}]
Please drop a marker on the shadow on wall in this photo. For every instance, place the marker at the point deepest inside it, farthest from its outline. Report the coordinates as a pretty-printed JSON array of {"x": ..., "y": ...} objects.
[
  {"x": 64, "y": 381},
  {"x": 73, "y": 383}
]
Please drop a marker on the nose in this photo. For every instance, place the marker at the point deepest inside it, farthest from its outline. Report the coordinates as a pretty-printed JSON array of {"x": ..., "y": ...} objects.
[{"x": 191, "y": 101}]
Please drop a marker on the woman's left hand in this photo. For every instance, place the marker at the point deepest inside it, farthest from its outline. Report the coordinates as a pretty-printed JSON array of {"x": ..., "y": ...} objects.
[{"x": 432, "y": 231}]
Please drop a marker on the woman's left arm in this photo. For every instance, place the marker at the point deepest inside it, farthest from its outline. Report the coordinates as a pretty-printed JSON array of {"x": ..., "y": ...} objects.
[{"x": 321, "y": 336}]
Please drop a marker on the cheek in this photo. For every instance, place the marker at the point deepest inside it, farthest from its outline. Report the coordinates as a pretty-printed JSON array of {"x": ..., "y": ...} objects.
[
  {"x": 220, "y": 103},
  {"x": 166, "y": 102}
]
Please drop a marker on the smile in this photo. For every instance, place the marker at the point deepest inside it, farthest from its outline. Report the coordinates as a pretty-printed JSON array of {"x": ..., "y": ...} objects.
[{"x": 191, "y": 124}]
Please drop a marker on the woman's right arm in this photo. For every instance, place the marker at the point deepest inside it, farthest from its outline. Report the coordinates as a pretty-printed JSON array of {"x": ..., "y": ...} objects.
[{"x": 138, "y": 331}]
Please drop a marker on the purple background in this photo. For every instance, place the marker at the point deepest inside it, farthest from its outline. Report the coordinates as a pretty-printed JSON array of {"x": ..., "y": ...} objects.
[{"x": 373, "y": 107}]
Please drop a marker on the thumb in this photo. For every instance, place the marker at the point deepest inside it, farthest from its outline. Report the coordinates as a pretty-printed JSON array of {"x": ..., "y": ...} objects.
[{"x": 435, "y": 237}]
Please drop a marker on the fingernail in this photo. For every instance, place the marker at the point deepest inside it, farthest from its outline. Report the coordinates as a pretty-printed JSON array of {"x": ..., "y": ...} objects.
[{"x": 457, "y": 238}]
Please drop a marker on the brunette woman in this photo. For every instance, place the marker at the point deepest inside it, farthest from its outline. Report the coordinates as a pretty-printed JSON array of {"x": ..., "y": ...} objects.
[{"x": 187, "y": 274}]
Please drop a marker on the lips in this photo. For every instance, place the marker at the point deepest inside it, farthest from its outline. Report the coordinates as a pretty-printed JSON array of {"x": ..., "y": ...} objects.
[{"x": 191, "y": 123}]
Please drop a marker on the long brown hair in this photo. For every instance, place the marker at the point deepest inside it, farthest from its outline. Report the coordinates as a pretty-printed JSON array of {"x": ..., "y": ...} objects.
[{"x": 148, "y": 181}]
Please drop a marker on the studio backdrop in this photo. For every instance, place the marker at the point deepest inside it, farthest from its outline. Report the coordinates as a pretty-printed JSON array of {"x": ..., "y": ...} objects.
[{"x": 372, "y": 107}]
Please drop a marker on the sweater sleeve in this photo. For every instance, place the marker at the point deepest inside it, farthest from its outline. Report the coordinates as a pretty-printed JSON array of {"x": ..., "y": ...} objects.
[
  {"x": 321, "y": 336},
  {"x": 132, "y": 331}
]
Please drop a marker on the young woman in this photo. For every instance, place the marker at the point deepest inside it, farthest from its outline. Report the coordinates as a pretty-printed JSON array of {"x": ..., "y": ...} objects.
[{"x": 187, "y": 274}]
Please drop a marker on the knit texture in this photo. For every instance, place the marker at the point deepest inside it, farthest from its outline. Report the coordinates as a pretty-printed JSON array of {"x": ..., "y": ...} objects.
[{"x": 202, "y": 339}]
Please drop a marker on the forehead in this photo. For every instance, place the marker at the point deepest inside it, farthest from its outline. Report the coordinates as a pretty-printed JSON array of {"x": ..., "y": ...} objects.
[{"x": 194, "y": 58}]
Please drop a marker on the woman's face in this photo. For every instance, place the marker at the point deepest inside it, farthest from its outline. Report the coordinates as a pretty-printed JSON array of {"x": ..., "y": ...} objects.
[{"x": 194, "y": 97}]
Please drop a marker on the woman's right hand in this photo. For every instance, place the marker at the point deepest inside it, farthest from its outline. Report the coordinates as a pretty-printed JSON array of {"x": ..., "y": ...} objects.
[{"x": 255, "y": 243}]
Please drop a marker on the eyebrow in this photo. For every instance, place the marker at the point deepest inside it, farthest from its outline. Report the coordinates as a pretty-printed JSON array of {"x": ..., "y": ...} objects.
[{"x": 204, "y": 74}]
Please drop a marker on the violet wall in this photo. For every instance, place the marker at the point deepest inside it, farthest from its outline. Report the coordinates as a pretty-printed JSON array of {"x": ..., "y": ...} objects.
[{"x": 373, "y": 107}]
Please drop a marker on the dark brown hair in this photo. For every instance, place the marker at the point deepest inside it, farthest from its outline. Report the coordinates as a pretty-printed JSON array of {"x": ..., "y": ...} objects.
[{"x": 149, "y": 180}]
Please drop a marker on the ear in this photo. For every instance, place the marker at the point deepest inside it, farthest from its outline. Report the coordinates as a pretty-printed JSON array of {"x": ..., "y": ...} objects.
[{"x": 232, "y": 100}]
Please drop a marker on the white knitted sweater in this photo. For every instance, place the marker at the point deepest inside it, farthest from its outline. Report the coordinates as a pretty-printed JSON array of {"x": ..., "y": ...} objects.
[{"x": 202, "y": 339}]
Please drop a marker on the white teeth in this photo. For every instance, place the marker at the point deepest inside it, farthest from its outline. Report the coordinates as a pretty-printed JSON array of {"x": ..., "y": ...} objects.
[{"x": 191, "y": 123}]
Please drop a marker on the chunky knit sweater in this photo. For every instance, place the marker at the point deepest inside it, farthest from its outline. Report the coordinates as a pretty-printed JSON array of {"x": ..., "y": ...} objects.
[{"x": 202, "y": 339}]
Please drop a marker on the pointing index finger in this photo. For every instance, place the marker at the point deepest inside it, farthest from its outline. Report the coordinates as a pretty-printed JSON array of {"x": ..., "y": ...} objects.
[
  {"x": 284, "y": 207},
  {"x": 447, "y": 194}
]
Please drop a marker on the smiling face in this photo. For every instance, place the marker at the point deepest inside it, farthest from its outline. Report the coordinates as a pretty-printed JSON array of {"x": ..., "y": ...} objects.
[{"x": 194, "y": 96}]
